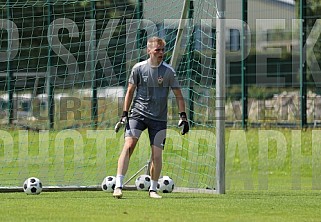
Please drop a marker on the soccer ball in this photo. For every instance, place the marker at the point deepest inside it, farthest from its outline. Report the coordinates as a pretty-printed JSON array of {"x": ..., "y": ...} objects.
[
  {"x": 108, "y": 184},
  {"x": 165, "y": 184},
  {"x": 32, "y": 185},
  {"x": 143, "y": 182}
]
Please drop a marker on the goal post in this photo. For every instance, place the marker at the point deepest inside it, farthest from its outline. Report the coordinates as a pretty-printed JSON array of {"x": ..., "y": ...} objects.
[
  {"x": 64, "y": 69},
  {"x": 220, "y": 97}
]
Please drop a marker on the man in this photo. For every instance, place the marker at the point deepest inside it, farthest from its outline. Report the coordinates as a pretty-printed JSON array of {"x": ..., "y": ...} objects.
[{"x": 151, "y": 79}]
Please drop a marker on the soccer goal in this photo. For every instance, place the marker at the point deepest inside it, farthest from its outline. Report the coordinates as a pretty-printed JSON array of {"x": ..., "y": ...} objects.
[{"x": 64, "y": 69}]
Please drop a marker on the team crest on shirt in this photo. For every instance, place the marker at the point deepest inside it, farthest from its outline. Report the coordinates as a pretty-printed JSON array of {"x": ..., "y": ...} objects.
[
  {"x": 145, "y": 78},
  {"x": 160, "y": 80}
]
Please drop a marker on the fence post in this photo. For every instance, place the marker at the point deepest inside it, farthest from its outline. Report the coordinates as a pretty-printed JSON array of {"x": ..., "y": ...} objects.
[
  {"x": 189, "y": 61},
  {"x": 9, "y": 64},
  {"x": 244, "y": 65},
  {"x": 49, "y": 86},
  {"x": 92, "y": 44},
  {"x": 303, "y": 66}
]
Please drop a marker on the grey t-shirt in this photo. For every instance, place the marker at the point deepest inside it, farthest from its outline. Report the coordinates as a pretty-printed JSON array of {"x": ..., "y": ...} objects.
[{"x": 153, "y": 85}]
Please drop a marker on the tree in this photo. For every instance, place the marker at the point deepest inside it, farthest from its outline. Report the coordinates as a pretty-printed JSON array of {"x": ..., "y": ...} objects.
[{"x": 313, "y": 15}]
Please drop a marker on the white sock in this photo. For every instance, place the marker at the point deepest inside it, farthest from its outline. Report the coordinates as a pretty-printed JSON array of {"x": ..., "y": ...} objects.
[
  {"x": 153, "y": 185},
  {"x": 119, "y": 181}
]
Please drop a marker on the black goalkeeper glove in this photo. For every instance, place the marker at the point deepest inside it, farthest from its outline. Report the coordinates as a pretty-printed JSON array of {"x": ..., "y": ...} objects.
[
  {"x": 123, "y": 120},
  {"x": 183, "y": 123}
]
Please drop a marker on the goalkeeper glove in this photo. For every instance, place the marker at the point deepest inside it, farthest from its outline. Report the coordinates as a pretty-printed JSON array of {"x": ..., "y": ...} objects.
[
  {"x": 123, "y": 120},
  {"x": 183, "y": 123}
]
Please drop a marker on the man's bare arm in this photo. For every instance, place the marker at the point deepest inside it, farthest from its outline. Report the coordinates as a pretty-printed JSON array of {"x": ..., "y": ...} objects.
[{"x": 179, "y": 99}]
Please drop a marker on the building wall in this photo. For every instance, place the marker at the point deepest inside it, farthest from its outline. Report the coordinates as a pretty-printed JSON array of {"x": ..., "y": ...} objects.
[
  {"x": 264, "y": 16},
  {"x": 258, "y": 9}
]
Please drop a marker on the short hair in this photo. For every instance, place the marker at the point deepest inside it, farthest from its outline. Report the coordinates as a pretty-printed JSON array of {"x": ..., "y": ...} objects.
[{"x": 155, "y": 39}]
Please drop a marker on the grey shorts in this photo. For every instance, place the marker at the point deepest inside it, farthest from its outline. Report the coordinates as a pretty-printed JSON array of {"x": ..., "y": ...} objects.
[{"x": 156, "y": 129}]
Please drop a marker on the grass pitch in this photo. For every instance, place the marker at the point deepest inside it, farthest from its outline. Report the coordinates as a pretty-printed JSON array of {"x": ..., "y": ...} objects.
[
  {"x": 274, "y": 179},
  {"x": 137, "y": 206}
]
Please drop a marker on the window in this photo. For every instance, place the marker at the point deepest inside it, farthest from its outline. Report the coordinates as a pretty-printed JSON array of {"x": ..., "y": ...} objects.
[{"x": 234, "y": 40}]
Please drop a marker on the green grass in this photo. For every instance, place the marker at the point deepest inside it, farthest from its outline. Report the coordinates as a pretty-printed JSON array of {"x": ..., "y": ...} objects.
[
  {"x": 137, "y": 206},
  {"x": 274, "y": 179}
]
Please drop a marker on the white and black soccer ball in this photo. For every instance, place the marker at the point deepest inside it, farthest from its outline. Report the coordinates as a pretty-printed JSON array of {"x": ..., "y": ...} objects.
[
  {"x": 143, "y": 182},
  {"x": 108, "y": 184},
  {"x": 165, "y": 184},
  {"x": 32, "y": 185}
]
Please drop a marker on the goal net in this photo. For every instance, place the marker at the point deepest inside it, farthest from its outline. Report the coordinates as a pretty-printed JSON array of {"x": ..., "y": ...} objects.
[{"x": 63, "y": 76}]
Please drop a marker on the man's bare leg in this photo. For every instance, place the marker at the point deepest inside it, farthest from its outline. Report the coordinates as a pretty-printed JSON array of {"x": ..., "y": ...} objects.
[
  {"x": 123, "y": 162},
  {"x": 155, "y": 170}
]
